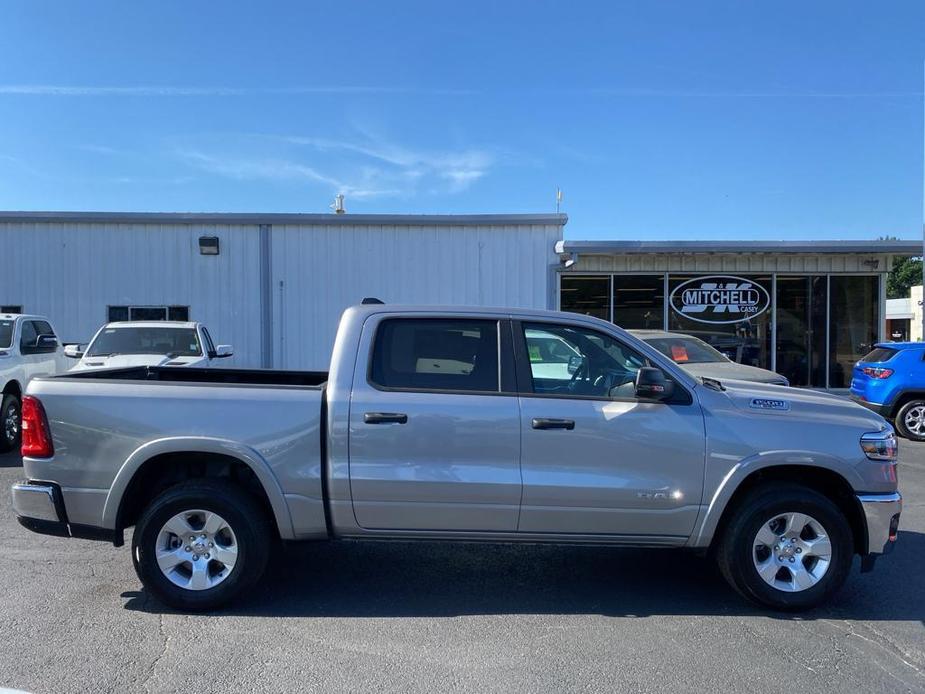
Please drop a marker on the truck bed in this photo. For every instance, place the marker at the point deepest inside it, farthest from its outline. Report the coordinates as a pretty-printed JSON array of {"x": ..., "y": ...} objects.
[{"x": 178, "y": 374}]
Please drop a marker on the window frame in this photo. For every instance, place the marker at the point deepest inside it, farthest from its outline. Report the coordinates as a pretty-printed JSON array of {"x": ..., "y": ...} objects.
[
  {"x": 507, "y": 383},
  {"x": 681, "y": 396}
]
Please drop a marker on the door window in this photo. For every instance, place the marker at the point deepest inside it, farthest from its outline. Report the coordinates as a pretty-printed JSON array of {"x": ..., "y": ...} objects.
[
  {"x": 436, "y": 354},
  {"x": 568, "y": 360}
]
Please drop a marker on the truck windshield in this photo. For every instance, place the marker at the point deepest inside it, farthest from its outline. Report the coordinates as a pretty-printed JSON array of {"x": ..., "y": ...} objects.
[
  {"x": 687, "y": 350},
  {"x": 180, "y": 342},
  {"x": 6, "y": 333}
]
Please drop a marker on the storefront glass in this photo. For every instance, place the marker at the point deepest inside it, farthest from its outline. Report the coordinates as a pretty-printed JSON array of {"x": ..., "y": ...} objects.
[
  {"x": 639, "y": 301},
  {"x": 736, "y": 315},
  {"x": 854, "y": 303},
  {"x": 748, "y": 339},
  {"x": 801, "y": 307},
  {"x": 587, "y": 295}
]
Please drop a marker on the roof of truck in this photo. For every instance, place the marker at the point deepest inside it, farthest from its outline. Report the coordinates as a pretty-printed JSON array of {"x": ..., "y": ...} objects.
[{"x": 151, "y": 324}]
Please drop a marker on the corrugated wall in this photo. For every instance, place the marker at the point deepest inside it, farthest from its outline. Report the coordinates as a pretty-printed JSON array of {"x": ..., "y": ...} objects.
[
  {"x": 324, "y": 269},
  {"x": 72, "y": 272}
]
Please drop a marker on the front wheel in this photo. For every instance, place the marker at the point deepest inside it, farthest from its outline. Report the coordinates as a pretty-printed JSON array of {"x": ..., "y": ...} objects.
[
  {"x": 200, "y": 544},
  {"x": 787, "y": 547},
  {"x": 10, "y": 423},
  {"x": 910, "y": 420}
]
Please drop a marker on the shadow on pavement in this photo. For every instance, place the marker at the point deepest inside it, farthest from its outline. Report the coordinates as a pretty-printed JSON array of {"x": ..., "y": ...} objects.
[
  {"x": 401, "y": 579},
  {"x": 10, "y": 460}
]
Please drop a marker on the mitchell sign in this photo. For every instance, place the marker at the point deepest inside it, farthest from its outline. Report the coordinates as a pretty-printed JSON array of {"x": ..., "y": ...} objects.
[{"x": 719, "y": 299}]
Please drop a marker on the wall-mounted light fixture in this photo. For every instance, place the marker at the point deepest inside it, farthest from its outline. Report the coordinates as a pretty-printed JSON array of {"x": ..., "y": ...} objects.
[{"x": 208, "y": 245}]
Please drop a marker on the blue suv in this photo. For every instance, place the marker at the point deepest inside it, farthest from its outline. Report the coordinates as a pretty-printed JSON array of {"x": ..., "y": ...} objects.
[{"x": 891, "y": 382}]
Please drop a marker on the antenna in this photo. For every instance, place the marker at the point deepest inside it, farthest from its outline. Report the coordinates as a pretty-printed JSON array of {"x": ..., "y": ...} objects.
[
  {"x": 558, "y": 199},
  {"x": 338, "y": 204}
]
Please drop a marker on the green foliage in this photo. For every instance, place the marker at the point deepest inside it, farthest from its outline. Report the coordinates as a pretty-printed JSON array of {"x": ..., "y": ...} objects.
[{"x": 906, "y": 273}]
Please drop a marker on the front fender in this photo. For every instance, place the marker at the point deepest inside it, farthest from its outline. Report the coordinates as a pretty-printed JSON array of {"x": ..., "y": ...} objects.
[
  {"x": 710, "y": 516},
  {"x": 199, "y": 444}
]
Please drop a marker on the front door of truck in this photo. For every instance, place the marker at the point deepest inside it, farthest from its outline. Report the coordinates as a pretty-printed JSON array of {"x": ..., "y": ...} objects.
[
  {"x": 595, "y": 459},
  {"x": 434, "y": 440}
]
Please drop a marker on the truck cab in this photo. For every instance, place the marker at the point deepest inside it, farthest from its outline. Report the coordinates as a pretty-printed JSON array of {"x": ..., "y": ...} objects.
[{"x": 29, "y": 348}]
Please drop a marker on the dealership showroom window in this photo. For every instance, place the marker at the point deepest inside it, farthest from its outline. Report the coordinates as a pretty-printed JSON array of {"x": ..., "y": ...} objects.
[{"x": 809, "y": 328}]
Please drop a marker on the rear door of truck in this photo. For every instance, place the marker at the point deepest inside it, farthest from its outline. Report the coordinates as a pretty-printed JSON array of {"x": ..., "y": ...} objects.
[{"x": 434, "y": 440}]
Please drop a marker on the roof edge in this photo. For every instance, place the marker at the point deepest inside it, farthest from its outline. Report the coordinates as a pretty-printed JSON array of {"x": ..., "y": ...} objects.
[
  {"x": 284, "y": 218},
  {"x": 903, "y": 247}
]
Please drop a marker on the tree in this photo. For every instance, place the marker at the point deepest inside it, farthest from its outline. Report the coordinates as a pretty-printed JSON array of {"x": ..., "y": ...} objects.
[{"x": 906, "y": 273}]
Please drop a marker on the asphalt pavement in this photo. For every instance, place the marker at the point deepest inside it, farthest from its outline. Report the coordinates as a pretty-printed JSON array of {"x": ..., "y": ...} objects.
[{"x": 443, "y": 617}]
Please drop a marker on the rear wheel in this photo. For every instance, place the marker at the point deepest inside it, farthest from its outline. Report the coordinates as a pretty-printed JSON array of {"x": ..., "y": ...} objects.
[
  {"x": 786, "y": 547},
  {"x": 910, "y": 420},
  {"x": 10, "y": 423},
  {"x": 200, "y": 544}
]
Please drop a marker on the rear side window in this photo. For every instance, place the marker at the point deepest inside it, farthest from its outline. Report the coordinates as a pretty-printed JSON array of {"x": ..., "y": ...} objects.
[
  {"x": 6, "y": 333},
  {"x": 436, "y": 354},
  {"x": 880, "y": 354}
]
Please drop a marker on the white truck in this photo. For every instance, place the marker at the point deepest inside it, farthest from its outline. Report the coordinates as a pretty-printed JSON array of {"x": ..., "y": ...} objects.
[
  {"x": 28, "y": 348},
  {"x": 148, "y": 343}
]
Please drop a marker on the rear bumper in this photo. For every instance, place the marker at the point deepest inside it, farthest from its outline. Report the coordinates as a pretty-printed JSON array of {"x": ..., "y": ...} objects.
[
  {"x": 39, "y": 506},
  {"x": 881, "y": 511},
  {"x": 882, "y": 410}
]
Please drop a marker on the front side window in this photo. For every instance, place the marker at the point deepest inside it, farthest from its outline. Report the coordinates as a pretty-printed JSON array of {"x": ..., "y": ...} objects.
[
  {"x": 179, "y": 342},
  {"x": 28, "y": 335},
  {"x": 6, "y": 333},
  {"x": 436, "y": 354},
  {"x": 569, "y": 360}
]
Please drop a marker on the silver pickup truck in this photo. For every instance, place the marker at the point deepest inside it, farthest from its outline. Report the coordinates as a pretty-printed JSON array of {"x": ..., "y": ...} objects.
[{"x": 459, "y": 424}]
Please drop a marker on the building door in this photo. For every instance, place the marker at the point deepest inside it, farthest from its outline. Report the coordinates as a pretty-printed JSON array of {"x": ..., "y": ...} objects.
[{"x": 801, "y": 322}]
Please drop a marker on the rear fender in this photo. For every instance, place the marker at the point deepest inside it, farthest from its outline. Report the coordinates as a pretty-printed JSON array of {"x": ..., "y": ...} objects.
[{"x": 198, "y": 444}]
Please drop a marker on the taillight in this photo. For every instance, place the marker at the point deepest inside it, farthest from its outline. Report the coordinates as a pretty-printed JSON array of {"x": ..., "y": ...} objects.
[
  {"x": 36, "y": 436},
  {"x": 877, "y": 371}
]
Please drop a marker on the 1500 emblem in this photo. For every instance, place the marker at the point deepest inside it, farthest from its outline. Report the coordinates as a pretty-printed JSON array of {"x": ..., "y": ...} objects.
[{"x": 769, "y": 404}]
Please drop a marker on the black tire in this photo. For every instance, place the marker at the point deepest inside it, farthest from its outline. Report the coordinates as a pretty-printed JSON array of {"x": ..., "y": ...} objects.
[
  {"x": 735, "y": 557},
  {"x": 10, "y": 440},
  {"x": 900, "y": 420},
  {"x": 250, "y": 523}
]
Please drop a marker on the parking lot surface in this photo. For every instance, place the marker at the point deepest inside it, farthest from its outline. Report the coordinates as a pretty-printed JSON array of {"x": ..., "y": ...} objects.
[{"x": 441, "y": 617}]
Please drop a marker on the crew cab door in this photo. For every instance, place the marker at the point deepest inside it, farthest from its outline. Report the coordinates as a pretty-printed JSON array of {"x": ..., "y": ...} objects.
[
  {"x": 38, "y": 347},
  {"x": 595, "y": 459},
  {"x": 434, "y": 438}
]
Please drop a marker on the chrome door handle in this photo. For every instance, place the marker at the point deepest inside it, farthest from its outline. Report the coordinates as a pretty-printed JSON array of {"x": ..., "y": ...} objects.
[
  {"x": 550, "y": 423},
  {"x": 385, "y": 418}
]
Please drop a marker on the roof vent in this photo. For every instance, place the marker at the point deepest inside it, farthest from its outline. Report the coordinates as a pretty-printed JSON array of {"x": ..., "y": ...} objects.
[{"x": 338, "y": 204}]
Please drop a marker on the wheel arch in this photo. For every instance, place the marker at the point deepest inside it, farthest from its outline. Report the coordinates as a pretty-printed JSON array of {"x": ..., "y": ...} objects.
[
  {"x": 13, "y": 388},
  {"x": 159, "y": 464},
  {"x": 902, "y": 398},
  {"x": 822, "y": 479}
]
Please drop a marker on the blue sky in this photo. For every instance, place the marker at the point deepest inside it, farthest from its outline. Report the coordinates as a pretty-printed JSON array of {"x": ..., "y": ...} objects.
[{"x": 659, "y": 120}]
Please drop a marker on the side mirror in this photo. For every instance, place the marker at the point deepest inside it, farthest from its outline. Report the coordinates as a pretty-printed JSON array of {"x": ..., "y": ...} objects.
[
  {"x": 651, "y": 384},
  {"x": 574, "y": 363},
  {"x": 222, "y": 351},
  {"x": 74, "y": 351},
  {"x": 46, "y": 342}
]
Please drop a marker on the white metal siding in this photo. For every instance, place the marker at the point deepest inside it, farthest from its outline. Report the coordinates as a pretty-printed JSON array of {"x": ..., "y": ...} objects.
[
  {"x": 325, "y": 269},
  {"x": 740, "y": 262},
  {"x": 71, "y": 272}
]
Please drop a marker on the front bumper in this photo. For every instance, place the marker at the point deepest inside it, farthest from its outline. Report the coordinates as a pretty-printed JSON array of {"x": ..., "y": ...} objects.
[
  {"x": 881, "y": 511},
  {"x": 39, "y": 506}
]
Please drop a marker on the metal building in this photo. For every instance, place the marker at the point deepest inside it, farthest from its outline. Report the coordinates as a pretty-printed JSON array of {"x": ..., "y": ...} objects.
[{"x": 272, "y": 285}]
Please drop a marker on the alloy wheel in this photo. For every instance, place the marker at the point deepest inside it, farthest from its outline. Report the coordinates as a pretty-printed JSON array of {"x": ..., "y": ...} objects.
[
  {"x": 792, "y": 552},
  {"x": 196, "y": 549}
]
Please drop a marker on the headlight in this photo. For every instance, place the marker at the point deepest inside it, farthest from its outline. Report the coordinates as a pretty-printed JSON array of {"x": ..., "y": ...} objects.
[{"x": 880, "y": 445}]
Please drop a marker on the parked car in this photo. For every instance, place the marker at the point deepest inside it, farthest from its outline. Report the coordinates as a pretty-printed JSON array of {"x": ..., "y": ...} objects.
[
  {"x": 28, "y": 348},
  {"x": 148, "y": 343},
  {"x": 890, "y": 380},
  {"x": 434, "y": 424},
  {"x": 702, "y": 360}
]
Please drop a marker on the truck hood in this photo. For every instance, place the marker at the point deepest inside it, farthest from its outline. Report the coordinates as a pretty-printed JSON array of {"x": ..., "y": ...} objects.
[
  {"x": 771, "y": 400},
  {"x": 723, "y": 371},
  {"x": 124, "y": 360}
]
